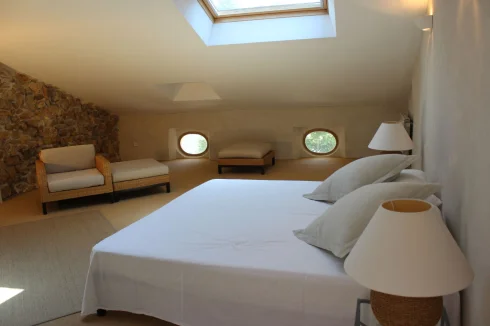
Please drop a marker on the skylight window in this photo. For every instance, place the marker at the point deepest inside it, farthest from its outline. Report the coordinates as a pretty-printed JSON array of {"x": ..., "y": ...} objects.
[{"x": 250, "y": 8}]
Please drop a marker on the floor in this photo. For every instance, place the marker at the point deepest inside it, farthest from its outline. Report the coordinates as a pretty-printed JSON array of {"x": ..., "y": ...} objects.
[{"x": 185, "y": 175}]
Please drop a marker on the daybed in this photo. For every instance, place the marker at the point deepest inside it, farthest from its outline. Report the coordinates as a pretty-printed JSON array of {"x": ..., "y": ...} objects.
[
  {"x": 210, "y": 258},
  {"x": 247, "y": 154},
  {"x": 135, "y": 174}
]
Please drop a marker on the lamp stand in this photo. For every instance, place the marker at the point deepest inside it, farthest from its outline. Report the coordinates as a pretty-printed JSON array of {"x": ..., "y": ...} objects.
[{"x": 392, "y": 310}]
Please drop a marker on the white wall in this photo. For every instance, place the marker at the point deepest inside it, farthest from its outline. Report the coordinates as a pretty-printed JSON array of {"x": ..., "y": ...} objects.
[
  {"x": 418, "y": 100},
  {"x": 156, "y": 134},
  {"x": 451, "y": 103}
]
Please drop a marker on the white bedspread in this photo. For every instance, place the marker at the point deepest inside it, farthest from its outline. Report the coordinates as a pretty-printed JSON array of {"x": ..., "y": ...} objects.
[{"x": 224, "y": 254}]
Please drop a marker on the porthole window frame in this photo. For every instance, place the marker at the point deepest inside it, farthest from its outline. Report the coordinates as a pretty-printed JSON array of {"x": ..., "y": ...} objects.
[
  {"x": 325, "y": 130},
  {"x": 183, "y": 152}
]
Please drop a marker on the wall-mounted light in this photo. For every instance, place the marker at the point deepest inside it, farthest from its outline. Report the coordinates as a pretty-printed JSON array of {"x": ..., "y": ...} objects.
[{"x": 425, "y": 23}]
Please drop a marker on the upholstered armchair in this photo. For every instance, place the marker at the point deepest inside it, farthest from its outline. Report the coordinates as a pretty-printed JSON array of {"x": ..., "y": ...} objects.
[{"x": 72, "y": 172}]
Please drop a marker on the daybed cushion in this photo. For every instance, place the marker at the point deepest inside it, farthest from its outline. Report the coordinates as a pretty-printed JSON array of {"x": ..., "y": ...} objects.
[
  {"x": 74, "y": 180},
  {"x": 137, "y": 169},
  {"x": 364, "y": 171},
  {"x": 245, "y": 150},
  {"x": 66, "y": 159},
  {"x": 338, "y": 229}
]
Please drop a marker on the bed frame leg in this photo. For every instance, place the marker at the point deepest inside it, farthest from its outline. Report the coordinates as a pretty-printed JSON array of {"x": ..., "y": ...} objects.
[
  {"x": 219, "y": 169},
  {"x": 113, "y": 197},
  {"x": 262, "y": 170},
  {"x": 101, "y": 312},
  {"x": 45, "y": 209},
  {"x": 273, "y": 161},
  {"x": 168, "y": 187}
]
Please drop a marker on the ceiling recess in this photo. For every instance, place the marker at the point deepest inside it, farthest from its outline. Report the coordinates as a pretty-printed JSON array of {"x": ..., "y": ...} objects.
[{"x": 185, "y": 92}]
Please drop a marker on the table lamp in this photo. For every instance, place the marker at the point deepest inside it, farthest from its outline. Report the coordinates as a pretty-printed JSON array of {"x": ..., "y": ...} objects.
[
  {"x": 408, "y": 259},
  {"x": 391, "y": 137}
]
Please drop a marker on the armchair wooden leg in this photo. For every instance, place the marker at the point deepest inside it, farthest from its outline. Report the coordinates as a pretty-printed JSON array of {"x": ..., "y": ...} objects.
[{"x": 45, "y": 209}]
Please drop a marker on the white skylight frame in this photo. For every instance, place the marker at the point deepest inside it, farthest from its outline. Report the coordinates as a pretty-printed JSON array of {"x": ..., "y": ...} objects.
[{"x": 299, "y": 8}]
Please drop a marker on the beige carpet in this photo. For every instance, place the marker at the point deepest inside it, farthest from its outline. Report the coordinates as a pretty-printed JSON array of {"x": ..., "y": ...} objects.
[{"x": 43, "y": 266}]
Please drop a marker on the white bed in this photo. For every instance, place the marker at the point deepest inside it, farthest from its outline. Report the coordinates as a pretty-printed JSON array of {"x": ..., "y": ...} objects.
[{"x": 224, "y": 254}]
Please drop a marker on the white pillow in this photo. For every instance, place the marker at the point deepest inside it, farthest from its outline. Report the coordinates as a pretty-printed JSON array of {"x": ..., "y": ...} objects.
[
  {"x": 338, "y": 229},
  {"x": 364, "y": 171},
  {"x": 413, "y": 175}
]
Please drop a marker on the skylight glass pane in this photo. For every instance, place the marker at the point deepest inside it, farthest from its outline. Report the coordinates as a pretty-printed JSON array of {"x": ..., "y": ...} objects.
[{"x": 227, "y": 7}]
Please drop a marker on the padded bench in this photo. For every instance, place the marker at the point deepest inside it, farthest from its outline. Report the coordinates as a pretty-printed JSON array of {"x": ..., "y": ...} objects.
[
  {"x": 246, "y": 154},
  {"x": 138, "y": 174}
]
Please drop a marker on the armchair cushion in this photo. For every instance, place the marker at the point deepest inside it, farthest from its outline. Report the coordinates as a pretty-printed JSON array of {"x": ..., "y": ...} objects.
[
  {"x": 74, "y": 180},
  {"x": 67, "y": 159}
]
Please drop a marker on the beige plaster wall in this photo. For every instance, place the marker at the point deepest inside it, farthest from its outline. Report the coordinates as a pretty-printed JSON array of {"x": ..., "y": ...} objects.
[
  {"x": 156, "y": 134},
  {"x": 451, "y": 106}
]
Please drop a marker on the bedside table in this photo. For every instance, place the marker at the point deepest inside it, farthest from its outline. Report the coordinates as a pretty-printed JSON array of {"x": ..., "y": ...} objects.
[{"x": 365, "y": 317}]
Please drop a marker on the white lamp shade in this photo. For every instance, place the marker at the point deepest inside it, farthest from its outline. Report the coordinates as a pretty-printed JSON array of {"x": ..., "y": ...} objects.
[
  {"x": 391, "y": 136},
  {"x": 407, "y": 250}
]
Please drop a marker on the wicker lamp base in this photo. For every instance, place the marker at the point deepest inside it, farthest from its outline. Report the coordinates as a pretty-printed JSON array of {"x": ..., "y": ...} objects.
[
  {"x": 392, "y": 310},
  {"x": 391, "y": 152}
]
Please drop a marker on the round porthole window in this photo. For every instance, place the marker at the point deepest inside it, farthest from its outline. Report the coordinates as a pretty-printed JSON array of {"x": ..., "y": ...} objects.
[
  {"x": 193, "y": 144},
  {"x": 320, "y": 142}
]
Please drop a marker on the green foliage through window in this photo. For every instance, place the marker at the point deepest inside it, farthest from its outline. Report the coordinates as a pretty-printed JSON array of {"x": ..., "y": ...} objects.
[
  {"x": 320, "y": 142},
  {"x": 193, "y": 144}
]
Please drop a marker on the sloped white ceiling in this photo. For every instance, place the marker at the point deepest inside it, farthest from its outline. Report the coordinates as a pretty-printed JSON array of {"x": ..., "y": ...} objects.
[{"x": 118, "y": 53}]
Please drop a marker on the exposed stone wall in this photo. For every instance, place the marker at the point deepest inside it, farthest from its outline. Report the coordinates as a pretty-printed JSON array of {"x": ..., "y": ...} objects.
[{"x": 35, "y": 116}]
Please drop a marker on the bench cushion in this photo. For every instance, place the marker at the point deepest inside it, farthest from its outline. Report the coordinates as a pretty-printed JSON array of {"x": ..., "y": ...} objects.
[
  {"x": 74, "y": 180},
  {"x": 70, "y": 158},
  {"x": 137, "y": 169},
  {"x": 245, "y": 150}
]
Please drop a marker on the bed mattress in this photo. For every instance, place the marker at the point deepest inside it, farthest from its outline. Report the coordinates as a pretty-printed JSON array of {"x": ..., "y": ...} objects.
[{"x": 224, "y": 254}]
